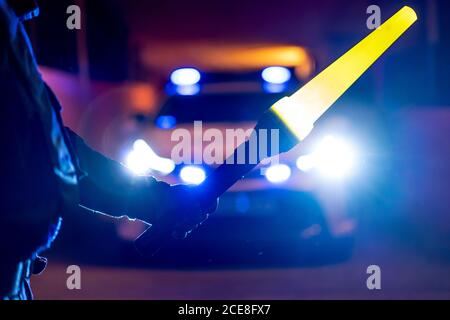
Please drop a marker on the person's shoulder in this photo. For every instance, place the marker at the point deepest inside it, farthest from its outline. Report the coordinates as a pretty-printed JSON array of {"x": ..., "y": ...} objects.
[
  {"x": 8, "y": 21},
  {"x": 53, "y": 99}
]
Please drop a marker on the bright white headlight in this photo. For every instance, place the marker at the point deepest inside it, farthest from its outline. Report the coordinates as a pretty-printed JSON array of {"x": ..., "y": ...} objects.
[{"x": 333, "y": 157}]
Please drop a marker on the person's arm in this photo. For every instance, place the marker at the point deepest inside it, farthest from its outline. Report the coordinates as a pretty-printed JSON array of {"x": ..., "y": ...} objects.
[
  {"x": 112, "y": 189},
  {"x": 109, "y": 187}
]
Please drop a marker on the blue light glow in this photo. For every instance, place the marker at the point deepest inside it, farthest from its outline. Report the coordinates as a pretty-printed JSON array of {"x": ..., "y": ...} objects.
[
  {"x": 333, "y": 158},
  {"x": 242, "y": 203},
  {"x": 276, "y": 75},
  {"x": 190, "y": 90},
  {"x": 166, "y": 122},
  {"x": 192, "y": 175},
  {"x": 274, "y": 88},
  {"x": 278, "y": 173},
  {"x": 185, "y": 77},
  {"x": 142, "y": 159}
]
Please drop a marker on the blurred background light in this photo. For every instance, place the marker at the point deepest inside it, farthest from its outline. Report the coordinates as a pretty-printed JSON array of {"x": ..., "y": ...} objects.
[
  {"x": 333, "y": 158},
  {"x": 278, "y": 173},
  {"x": 242, "y": 203},
  {"x": 185, "y": 77},
  {"x": 166, "y": 122},
  {"x": 274, "y": 88},
  {"x": 137, "y": 163},
  {"x": 143, "y": 159},
  {"x": 188, "y": 90},
  {"x": 276, "y": 75},
  {"x": 306, "y": 162},
  {"x": 192, "y": 175}
]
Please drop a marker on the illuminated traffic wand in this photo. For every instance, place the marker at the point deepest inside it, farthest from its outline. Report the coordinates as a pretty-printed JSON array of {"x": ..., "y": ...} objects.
[{"x": 293, "y": 116}]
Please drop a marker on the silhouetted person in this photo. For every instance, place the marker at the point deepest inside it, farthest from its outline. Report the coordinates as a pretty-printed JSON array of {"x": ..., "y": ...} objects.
[{"x": 47, "y": 170}]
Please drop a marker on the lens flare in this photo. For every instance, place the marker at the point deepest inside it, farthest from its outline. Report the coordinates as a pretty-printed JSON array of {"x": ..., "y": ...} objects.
[
  {"x": 143, "y": 159},
  {"x": 278, "y": 173},
  {"x": 185, "y": 77},
  {"x": 333, "y": 158},
  {"x": 192, "y": 175},
  {"x": 276, "y": 75}
]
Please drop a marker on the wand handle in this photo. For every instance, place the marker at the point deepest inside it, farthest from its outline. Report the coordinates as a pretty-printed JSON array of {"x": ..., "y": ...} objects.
[
  {"x": 245, "y": 158},
  {"x": 217, "y": 183}
]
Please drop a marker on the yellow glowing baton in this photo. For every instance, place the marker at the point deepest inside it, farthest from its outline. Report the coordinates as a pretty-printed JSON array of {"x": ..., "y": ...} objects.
[{"x": 300, "y": 111}]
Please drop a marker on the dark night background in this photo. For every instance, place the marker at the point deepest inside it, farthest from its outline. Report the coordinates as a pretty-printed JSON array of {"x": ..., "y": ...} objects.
[{"x": 398, "y": 205}]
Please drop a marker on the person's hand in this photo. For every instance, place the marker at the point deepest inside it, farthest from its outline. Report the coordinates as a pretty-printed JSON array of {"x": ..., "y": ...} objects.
[
  {"x": 38, "y": 266},
  {"x": 187, "y": 211}
]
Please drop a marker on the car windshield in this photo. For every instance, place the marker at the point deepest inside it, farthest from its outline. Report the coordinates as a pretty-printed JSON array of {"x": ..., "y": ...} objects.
[{"x": 239, "y": 107}]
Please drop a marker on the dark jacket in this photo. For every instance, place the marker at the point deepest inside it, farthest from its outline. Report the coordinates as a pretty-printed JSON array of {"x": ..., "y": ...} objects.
[{"x": 47, "y": 169}]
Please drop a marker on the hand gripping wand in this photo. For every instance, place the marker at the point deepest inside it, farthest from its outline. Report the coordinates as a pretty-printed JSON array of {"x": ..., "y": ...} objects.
[{"x": 293, "y": 116}]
